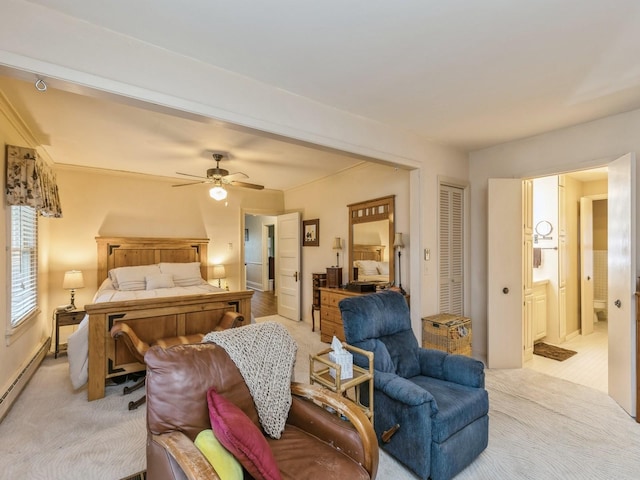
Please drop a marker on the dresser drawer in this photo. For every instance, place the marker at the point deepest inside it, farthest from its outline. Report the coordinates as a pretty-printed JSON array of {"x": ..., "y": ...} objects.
[
  {"x": 330, "y": 314},
  {"x": 70, "y": 318},
  {"x": 329, "y": 329},
  {"x": 331, "y": 299}
]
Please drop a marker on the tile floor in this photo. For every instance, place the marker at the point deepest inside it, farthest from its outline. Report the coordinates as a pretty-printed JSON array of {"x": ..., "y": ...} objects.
[{"x": 588, "y": 367}]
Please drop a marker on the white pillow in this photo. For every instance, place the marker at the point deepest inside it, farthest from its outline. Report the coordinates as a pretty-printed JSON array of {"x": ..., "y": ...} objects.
[
  {"x": 132, "y": 278},
  {"x": 367, "y": 267},
  {"x": 383, "y": 268},
  {"x": 159, "y": 280},
  {"x": 184, "y": 274}
]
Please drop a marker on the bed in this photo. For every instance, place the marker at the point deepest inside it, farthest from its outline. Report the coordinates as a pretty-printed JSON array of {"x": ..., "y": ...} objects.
[
  {"x": 186, "y": 307},
  {"x": 369, "y": 260}
]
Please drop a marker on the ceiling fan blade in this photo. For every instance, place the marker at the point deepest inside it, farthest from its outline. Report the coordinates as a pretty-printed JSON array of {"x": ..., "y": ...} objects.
[
  {"x": 189, "y": 175},
  {"x": 229, "y": 175},
  {"x": 247, "y": 185},
  {"x": 187, "y": 184}
]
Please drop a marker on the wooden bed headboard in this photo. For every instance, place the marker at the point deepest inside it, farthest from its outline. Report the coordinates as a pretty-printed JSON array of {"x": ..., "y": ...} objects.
[
  {"x": 368, "y": 252},
  {"x": 116, "y": 252}
]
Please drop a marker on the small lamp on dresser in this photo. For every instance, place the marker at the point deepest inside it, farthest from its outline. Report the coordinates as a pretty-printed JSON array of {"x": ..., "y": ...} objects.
[
  {"x": 337, "y": 246},
  {"x": 73, "y": 280}
]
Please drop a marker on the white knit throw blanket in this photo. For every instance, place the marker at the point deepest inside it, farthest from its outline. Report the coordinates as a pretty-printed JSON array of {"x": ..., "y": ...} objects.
[{"x": 265, "y": 354}]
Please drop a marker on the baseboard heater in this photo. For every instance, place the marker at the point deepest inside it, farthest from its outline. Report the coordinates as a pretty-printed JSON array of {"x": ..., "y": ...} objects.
[{"x": 12, "y": 392}]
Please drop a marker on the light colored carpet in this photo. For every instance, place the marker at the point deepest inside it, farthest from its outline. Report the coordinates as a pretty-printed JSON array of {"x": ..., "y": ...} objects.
[{"x": 540, "y": 428}]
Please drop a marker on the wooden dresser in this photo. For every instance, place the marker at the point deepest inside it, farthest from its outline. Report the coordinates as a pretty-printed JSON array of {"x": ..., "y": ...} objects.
[{"x": 331, "y": 320}]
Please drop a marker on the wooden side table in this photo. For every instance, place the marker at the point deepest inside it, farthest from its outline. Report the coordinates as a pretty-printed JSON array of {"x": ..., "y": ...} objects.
[
  {"x": 63, "y": 319},
  {"x": 319, "y": 281},
  {"x": 319, "y": 365}
]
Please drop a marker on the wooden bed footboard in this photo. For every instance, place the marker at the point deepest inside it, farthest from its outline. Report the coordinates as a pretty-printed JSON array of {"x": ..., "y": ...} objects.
[{"x": 151, "y": 319}]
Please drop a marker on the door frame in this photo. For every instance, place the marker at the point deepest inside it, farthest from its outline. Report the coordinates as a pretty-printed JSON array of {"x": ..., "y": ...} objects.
[
  {"x": 628, "y": 403},
  {"x": 242, "y": 260}
]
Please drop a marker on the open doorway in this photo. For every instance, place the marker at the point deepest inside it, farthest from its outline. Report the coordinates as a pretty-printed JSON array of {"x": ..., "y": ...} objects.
[
  {"x": 570, "y": 275},
  {"x": 259, "y": 261}
]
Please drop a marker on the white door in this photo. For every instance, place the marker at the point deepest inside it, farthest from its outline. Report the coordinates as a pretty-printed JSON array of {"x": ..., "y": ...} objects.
[
  {"x": 288, "y": 265},
  {"x": 586, "y": 265},
  {"x": 504, "y": 282},
  {"x": 622, "y": 272}
]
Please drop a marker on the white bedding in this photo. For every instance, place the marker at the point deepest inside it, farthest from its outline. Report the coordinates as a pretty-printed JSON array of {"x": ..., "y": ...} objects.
[
  {"x": 78, "y": 343},
  {"x": 373, "y": 278}
]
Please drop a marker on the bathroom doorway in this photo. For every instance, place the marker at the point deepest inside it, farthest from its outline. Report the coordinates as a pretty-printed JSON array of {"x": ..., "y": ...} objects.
[{"x": 571, "y": 264}]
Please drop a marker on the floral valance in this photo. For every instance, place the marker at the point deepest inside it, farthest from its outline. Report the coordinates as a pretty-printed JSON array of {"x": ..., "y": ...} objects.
[{"x": 31, "y": 182}]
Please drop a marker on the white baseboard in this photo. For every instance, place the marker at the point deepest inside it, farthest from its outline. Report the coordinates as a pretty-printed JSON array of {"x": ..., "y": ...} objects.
[
  {"x": 255, "y": 286},
  {"x": 22, "y": 378}
]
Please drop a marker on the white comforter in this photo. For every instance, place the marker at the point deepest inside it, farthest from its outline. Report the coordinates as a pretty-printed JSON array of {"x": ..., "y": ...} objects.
[{"x": 78, "y": 343}]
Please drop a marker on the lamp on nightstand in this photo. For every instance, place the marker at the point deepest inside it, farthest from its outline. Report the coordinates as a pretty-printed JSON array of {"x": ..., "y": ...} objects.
[
  {"x": 73, "y": 280},
  {"x": 218, "y": 273}
]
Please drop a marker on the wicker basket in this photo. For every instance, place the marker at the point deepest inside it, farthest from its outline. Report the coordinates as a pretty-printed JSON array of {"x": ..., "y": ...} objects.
[{"x": 446, "y": 332}]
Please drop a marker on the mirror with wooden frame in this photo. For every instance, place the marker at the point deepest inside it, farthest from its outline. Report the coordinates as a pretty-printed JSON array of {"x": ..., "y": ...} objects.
[{"x": 371, "y": 233}]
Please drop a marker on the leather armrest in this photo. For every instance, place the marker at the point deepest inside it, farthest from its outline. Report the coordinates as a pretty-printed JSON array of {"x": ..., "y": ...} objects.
[
  {"x": 367, "y": 454},
  {"x": 136, "y": 346},
  {"x": 192, "y": 462},
  {"x": 230, "y": 320}
]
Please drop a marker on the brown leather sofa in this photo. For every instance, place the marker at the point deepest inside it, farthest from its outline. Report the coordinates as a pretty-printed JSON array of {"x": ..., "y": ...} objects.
[{"x": 315, "y": 444}]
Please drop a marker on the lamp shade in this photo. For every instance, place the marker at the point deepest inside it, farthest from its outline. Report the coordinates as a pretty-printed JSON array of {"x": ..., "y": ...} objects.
[
  {"x": 337, "y": 243},
  {"x": 397, "y": 242},
  {"x": 73, "y": 279},
  {"x": 218, "y": 193},
  {"x": 218, "y": 272}
]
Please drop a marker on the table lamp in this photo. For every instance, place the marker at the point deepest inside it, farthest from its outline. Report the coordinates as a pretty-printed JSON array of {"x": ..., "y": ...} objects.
[
  {"x": 337, "y": 246},
  {"x": 73, "y": 280},
  {"x": 218, "y": 273},
  {"x": 399, "y": 244}
]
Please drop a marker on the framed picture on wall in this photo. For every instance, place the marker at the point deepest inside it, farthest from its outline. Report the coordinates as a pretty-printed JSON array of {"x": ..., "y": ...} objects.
[{"x": 311, "y": 233}]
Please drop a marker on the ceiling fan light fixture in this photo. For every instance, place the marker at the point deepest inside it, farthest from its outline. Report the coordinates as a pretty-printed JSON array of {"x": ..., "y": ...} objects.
[{"x": 218, "y": 193}]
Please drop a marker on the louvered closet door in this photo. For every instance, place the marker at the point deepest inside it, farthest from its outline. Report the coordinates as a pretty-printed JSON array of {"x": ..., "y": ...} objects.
[{"x": 451, "y": 250}]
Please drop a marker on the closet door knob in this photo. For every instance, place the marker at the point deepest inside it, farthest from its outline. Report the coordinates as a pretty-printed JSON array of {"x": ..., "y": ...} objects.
[
  {"x": 505, "y": 290},
  {"x": 617, "y": 303}
]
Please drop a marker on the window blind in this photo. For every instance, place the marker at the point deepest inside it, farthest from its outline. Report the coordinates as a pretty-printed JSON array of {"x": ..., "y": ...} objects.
[{"x": 24, "y": 263}]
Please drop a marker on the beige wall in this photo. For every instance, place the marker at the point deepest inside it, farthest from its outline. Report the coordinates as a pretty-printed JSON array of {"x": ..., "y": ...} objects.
[
  {"x": 576, "y": 148},
  {"x": 18, "y": 349},
  {"x": 117, "y": 204},
  {"x": 600, "y": 220},
  {"x": 327, "y": 201},
  {"x": 99, "y": 203}
]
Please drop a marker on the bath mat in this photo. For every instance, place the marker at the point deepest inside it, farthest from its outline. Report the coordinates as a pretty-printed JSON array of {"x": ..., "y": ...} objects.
[{"x": 553, "y": 352}]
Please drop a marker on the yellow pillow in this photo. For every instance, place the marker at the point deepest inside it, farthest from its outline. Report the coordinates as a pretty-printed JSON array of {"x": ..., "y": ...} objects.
[{"x": 225, "y": 464}]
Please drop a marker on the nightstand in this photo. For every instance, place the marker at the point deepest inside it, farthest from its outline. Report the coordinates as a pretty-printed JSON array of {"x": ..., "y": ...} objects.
[{"x": 63, "y": 319}]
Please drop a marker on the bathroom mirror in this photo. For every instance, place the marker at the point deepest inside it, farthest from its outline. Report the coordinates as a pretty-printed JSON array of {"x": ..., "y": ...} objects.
[{"x": 371, "y": 233}]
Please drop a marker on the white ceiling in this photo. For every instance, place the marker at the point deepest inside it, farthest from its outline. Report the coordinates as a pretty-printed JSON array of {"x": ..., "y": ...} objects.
[{"x": 464, "y": 73}]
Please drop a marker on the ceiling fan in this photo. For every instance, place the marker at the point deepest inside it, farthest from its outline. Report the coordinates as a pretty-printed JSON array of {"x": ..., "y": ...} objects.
[{"x": 220, "y": 177}]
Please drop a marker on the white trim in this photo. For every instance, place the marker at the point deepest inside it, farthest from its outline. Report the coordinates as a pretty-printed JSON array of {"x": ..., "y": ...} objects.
[{"x": 14, "y": 387}]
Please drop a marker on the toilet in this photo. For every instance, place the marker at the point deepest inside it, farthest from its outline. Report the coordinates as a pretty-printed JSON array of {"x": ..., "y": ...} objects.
[{"x": 599, "y": 306}]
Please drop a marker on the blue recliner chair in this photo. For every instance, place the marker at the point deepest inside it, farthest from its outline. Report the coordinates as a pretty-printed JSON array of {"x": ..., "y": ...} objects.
[{"x": 437, "y": 399}]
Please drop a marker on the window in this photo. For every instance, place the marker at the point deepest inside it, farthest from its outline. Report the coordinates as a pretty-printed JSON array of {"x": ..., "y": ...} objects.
[{"x": 24, "y": 263}]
